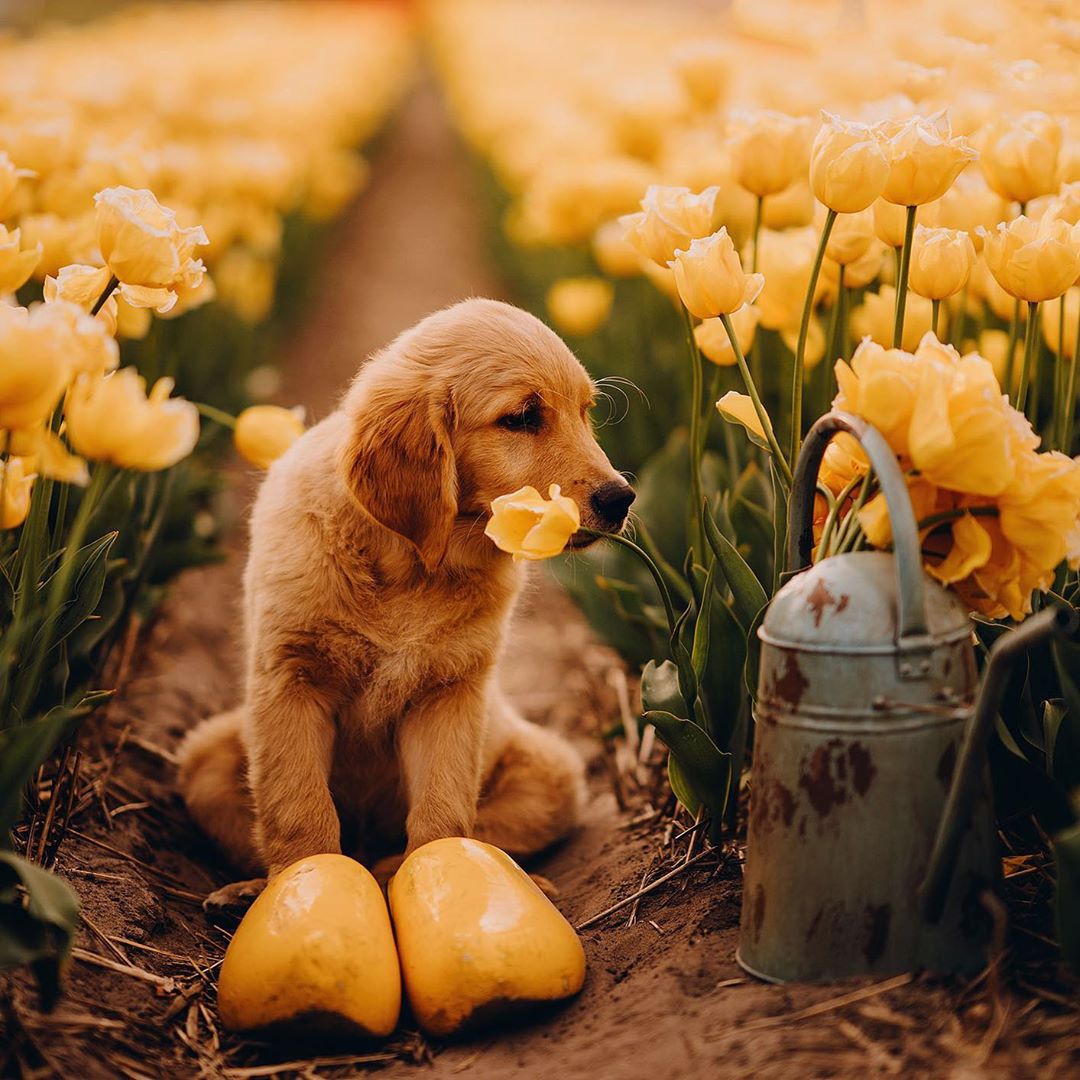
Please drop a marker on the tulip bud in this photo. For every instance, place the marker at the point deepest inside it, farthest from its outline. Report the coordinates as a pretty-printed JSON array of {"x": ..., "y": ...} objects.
[
  {"x": 264, "y": 432},
  {"x": 769, "y": 150},
  {"x": 941, "y": 261},
  {"x": 738, "y": 408},
  {"x": 710, "y": 277},
  {"x": 848, "y": 169}
]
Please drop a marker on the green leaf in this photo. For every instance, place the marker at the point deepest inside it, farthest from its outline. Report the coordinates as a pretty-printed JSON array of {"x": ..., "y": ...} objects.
[
  {"x": 1066, "y": 846},
  {"x": 660, "y": 688},
  {"x": 88, "y": 581},
  {"x": 681, "y": 655},
  {"x": 705, "y": 769},
  {"x": 681, "y": 786},
  {"x": 39, "y": 914},
  {"x": 747, "y": 592},
  {"x": 22, "y": 749},
  {"x": 699, "y": 654}
]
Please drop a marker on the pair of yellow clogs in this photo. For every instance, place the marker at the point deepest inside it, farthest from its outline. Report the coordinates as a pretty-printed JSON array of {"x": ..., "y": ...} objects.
[{"x": 474, "y": 936}]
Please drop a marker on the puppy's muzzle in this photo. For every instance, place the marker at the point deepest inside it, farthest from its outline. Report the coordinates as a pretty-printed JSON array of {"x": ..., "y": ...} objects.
[{"x": 611, "y": 503}]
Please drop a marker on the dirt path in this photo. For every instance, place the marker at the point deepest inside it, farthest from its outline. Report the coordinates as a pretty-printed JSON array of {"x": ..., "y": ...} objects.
[{"x": 664, "y": 997}]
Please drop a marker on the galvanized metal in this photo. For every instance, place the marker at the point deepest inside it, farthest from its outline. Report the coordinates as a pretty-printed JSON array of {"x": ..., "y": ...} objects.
[{"x": 867, "y": 681}]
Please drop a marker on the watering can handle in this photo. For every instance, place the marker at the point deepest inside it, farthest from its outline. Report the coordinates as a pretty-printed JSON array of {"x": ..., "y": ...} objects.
[{"x": 909, "y": 572}]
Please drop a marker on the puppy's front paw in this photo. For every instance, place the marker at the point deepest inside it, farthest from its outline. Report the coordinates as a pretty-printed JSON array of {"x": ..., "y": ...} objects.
[{"x": 234, "y": 898}]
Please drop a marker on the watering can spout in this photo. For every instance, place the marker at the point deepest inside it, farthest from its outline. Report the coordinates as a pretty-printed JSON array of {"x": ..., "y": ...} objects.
[{"x": 1054, "y": 621}]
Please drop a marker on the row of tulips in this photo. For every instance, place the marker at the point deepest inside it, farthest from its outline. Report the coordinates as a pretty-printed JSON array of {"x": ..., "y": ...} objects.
[
  {"x": 107, "y": 475},
  {"x": 904, "y": 246}
]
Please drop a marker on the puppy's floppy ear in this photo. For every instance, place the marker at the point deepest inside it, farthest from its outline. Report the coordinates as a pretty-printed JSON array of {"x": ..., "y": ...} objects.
[{"x": 399, "y": 465}]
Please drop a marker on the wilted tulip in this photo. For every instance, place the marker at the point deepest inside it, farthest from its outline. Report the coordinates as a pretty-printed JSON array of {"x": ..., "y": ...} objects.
[
  {"x": 15, "y": 486},
  {"x": 264, "y": 432},
  {"x": 1020, "y": 155},
  {"x": 941, "y": 261},
  {"x": 112, "y": 419},
  {"x": 710, "y": 277},
  {"x": 528, "y": 526},
  {"x": 848, "y": 168}
]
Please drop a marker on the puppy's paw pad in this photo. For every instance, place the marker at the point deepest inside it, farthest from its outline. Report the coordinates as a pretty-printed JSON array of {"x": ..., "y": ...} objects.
[
  {"x": 546, "y": 886},
  {"x": 236, "y": 897}
]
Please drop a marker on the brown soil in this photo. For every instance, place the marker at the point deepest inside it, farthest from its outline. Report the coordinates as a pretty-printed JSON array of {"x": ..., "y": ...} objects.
[{"x": 664, "y": 997}]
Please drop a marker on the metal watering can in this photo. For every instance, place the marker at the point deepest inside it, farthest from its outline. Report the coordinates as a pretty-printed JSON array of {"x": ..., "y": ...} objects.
[{"x": 871, "y": 831}]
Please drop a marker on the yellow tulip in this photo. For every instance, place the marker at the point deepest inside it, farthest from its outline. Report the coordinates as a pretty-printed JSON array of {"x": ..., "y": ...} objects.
[
  {"x": 941, "y": 261},
  {"x": 851, "y": 237},
  {"x": 769, "y": 150},
  {"x": 710, "y": 277},
  {"x": 925, "y": 497},
  {"x": 264, "y": 432},
  {"x": 814, "y": 351},
  {"x": 580, "y": 306},
  {"x": 670, "y": 219},
  {"x": 245, "y": 284},
  {"x": 317, "y": 949},
  {"x": 145, "y": 248},
  {"x": 1033, "y": 260},
  {"x": 881, "y": 386},
  {"x": 16, "y": 264},
  {"x": 924, "y": 158},
  {"x": 1040, "y": 509},
  {"x": 15, "y": 485},
  {"x": 860, "y": 273},
  {"x": 476, "y": 936},
  {"x": 970, "y": 550},
  {"x": 786, "y": 260},
  {"x": 9, "y": 180},
  {"x": 111, "y": 418},
  {"x": 792, "y": 208},
  {"x": 738, "y": 408},
  {"x": 613, "y": 253},
  {"x": 890, "y": 223},
  {"x": 843, "y": 461},
  {"x": 873, "y": 318},
  {"x": 34, "y": 368},
  {"x": 86, "y": 342},
  {"x": 848, "y": 168},
  {"x": 528, "y": 526},
  {"x": 83, "y": 285},
  {"x": 132, "y": 323},
  {"x": 1019, "y": 156},
  {"x": 960, "y": 435},
  {"x": 44, "y": 452},
  {"x": 1065, "y": 206},
  {"x": 994, "y": 346},
  {"x": 968, "y": 204},
  {"x": 703, "y": 65},
  {"x": 1051, "y": 322},
  {"x": 713, "y": 341},
  {"x": 62, "y": 241}
]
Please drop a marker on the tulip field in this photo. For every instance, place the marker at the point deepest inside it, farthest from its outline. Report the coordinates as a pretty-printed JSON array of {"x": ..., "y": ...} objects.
[{"x": 822, "y": 262}]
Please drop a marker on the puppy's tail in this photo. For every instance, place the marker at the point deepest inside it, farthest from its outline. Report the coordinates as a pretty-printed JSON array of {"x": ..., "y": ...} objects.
[{"x": 213, "y": 783}]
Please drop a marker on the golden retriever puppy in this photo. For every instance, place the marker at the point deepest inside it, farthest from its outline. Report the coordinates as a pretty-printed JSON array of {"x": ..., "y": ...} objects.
[{"x": 375, "y": 608}]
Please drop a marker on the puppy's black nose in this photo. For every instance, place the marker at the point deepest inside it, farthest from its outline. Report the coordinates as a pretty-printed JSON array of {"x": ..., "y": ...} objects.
[{"x": 612, "y": 501}]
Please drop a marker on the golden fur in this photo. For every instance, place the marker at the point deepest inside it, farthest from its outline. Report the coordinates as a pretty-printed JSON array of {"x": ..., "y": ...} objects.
[{"x": 375, "y": 609}]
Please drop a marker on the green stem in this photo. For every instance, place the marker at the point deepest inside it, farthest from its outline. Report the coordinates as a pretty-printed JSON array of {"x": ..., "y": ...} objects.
[
  {"x": 1030, "y": 339},
  {"x": 800, "y": 351},
  {"x": 60, "y": 583},
  {"x": 961, "y": 320},
  {"x": 762, "y": 415},
  {"x": 835, "y": 510},
  {"x": 653, "y": 569},
  {"x": 901, "y": 281},
  {"x": 109, "y": 289},
  {"x": 757, "y": 233},
  {"x": 696, "y": 390},
  {"x": 1070, "y": 393},
  {"x": 934, "y": 520},
  {"x": 935, "y": 311},
  {"x": 851, "y": 526},
  {"x": 1010, "y": 356},
  {"x": 1057, "y": 426},
  {"x": 219, "y": 416}
]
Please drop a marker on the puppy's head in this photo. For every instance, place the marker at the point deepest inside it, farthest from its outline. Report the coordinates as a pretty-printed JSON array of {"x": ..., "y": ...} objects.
[{"x": 475, "y": 401}]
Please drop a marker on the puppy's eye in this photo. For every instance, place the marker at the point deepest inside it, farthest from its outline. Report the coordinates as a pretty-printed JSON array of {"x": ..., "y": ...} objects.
[{"x": 529, "y": 420}]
